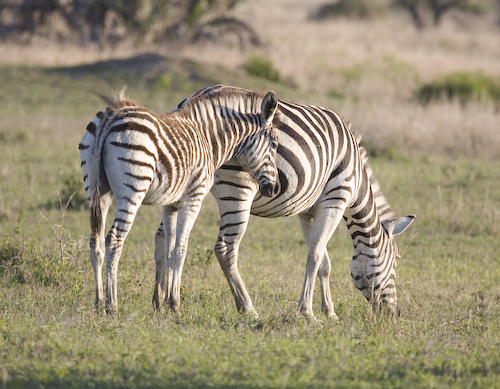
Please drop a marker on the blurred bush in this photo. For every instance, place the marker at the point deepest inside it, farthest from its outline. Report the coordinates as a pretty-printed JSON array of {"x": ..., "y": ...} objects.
[
  {"x": 423, "y": 13},
  {"x": 261, "y": 67},
  {"x": 112, "y": 21},
  {"x": 357, "y": 9},
  {"x": 72, "y": 191},
  {"x": 24, "y": 262},
  {"x": 430, "y": 12},
  {"x": 461, "y": 86}
]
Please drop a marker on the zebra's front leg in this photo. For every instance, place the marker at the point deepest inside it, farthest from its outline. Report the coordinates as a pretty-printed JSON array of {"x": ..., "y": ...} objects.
[
  {"x": 226, "y": 252},
  {"x": 234, "y": 203}
]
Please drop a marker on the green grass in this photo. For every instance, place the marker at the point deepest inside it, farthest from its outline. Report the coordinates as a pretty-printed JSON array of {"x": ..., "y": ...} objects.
[{"x": 448, "y": 277}]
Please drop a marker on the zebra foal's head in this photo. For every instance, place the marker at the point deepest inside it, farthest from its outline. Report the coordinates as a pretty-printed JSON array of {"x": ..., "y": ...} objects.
[{"x": 257, "y": 153}]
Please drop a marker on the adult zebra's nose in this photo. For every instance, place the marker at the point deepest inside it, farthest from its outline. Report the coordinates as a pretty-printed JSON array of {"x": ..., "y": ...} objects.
[{"x": 268, "y": 189}]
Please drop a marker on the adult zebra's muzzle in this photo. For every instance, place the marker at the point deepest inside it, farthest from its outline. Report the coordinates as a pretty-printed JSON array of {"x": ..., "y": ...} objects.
[{"x": 269, "y": 189}]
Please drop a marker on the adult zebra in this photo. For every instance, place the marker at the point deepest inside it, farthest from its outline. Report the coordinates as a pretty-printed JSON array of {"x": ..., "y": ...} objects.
[
  {"x": 168, "y": 160},
  {"x": 324, "y": 176}
]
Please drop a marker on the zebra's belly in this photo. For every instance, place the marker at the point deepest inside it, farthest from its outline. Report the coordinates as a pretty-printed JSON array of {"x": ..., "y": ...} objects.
[
  {"x": 296, "y": 195},
  {"x": 298, "y": 192},
  {"x": 288, "y": 203}
]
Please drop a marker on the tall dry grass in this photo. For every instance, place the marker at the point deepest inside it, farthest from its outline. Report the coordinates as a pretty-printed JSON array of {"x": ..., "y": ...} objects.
[
  {"x": 367, "y": 70},
  {"x": 374, "y": 67}
]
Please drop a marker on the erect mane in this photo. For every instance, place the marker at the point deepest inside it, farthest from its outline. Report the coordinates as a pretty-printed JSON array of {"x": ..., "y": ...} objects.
[
  {"x": 384, "y": 210},
  {"x": 212, "y": 99},
  {"x": 118, "y": 99}
]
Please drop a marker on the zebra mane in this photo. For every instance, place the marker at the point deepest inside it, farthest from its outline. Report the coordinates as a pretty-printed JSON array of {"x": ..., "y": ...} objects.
[
  {"x": 118, "y": 99},
  {"x": 384, "y": 209},
  {"x": 211, "y": 100}
]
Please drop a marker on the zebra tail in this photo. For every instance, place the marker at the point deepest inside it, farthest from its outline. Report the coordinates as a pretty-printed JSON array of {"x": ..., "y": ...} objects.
[
  {"x": 98, "y": 180},
  {"x": 95, "y": 211}
]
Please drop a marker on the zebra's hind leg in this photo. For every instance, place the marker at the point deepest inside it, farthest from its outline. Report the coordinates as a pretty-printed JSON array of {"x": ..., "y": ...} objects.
[
  {"x": 98, "y": 213},
  {"x": 126, "y": 210},
  {"x": 324, "y": 282},
  {"x": 317, "y": 228},
  {"x": 323, "y": 272},
  {"x": 178, "y": 225},
  {"x": 160, "y": 260}
]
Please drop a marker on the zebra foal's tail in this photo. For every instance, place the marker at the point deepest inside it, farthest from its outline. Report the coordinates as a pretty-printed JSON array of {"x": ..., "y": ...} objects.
[{"x": 97, "y": 176}]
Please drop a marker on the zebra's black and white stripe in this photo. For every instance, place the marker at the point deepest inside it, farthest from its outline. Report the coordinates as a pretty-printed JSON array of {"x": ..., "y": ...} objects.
[
  {"x": 144, "y": 157},
  {"x": 324, "y": 176}
]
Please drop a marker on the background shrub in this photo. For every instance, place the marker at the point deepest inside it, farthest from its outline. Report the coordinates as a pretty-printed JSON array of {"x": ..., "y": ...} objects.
[
  {"x": 463, "y": 86},
  {"x": 24, "y": 262},
  {"x": 261, "y": 67},
  {"x": 356, "y": 9}
]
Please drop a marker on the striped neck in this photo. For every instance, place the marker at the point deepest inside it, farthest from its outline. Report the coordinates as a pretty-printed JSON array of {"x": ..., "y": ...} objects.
[
  {"x": 362, "y": 219},
  {"x": 375, "y": 252},
  {"x": 225, "y": 116}
]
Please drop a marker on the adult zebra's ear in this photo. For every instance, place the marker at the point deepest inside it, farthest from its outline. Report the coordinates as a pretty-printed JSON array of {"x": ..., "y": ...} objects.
[
  {"x": 397, "y": 226},
  {"x": 268, "y": 109}
]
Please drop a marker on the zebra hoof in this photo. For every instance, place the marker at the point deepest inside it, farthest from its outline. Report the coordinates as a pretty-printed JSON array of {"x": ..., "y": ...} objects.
[{"x": 111, "y": 310}]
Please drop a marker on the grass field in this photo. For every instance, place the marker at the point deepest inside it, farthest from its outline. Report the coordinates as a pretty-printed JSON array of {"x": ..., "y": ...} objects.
[{"x": 439, "y": 162}]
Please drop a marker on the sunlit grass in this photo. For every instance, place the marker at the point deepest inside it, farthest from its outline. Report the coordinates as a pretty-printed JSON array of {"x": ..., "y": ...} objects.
[
  {"x": 447, "y": 334},
  {"x": 439, "y": 162}
]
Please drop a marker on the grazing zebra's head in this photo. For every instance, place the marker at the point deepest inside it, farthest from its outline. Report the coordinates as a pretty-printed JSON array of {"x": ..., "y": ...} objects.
[
  {"x": 257, "y": 153},
  {"x": 376, "y": 277}
]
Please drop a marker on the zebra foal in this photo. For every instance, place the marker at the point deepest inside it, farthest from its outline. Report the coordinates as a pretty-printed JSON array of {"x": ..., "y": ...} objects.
[
  {"x": 324, "y": 177},
  {"x": 142, "y": 157}
]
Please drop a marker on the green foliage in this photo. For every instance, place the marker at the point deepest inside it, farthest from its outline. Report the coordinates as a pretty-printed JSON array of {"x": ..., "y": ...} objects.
[
  {"x": 461, "y": 86},
  {"x": 24, "y": 262},
  {"x": 163, "y": 81},
  {"x": 201, "y": 256},
  {"x": 72, "y": 191},
  {"x": 9, "y": 136},
  {"x": 261, "y": 67}
]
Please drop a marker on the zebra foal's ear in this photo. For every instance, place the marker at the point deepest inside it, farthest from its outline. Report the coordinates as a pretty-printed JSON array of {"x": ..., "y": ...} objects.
[{"x": 268, "y": 109}]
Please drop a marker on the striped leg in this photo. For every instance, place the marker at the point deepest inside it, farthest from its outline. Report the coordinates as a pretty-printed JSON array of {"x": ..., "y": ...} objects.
[
  {"x": 164, "y": 245},
  {"x": 160, "y": 260},
  {"x": 323, "y": 271},
  {"x": 178, "y": 224},
  {"x": 98, "y": 249},
  {"x": 234, "y": 206},
  {"x": 124, "y": 219},
  {"x": 324, "y": 281},
  {"x": 321, "y": 224}
]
